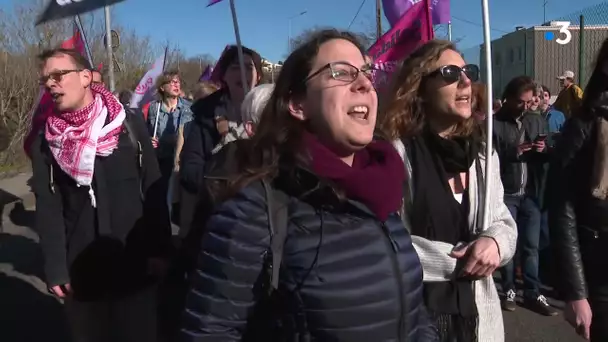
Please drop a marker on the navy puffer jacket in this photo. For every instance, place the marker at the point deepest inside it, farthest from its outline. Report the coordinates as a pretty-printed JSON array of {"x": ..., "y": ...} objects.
[{"x": 351, "y": 277}]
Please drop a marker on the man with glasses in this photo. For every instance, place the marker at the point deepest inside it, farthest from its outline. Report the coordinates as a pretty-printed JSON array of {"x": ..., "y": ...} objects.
[
  {"x": 103, "y": 224},
  {"x": 519, "y": 138}
]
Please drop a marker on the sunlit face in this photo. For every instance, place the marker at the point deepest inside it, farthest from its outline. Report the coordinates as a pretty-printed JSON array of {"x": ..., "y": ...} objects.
[
  {"x": 97, "y": 77},
  {"x": 535, "y": 103},
  {"x": 67, "y": 83},
  {"x": 522, "y": 103},
  {"x": 233, "y": 79},
  {"x": 546, "y": 98},
  {"x": 341, "y": 112},
  {"x": 451, "y": 100},
  {"x": 173, "y": 88}
]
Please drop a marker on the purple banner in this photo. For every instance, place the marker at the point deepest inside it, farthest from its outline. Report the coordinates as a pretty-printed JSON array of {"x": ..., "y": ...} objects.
[
  {"x": 394, "y": 10},
  {"x": 213, "y": 2}
]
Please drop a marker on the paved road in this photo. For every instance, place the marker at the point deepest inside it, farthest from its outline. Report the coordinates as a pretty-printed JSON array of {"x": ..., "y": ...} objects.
[{"x": 29, "y": 314}]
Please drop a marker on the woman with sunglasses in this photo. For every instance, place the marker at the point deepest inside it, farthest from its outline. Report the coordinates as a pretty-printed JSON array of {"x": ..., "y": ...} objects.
[
  {"x": 428, "y": 116},
  {"x": 349, "y": 271}
]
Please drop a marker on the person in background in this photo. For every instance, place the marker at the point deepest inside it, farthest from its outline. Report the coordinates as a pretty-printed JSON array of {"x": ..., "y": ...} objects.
[
  {"x": 555, "y": 121},
  {"x": 188, "y": 199},
  {"x": 570, "y": 97},
  {"x": 98, "y": 77},
  {"x": 223, "y": 165},
  {"x": 519, "y": 139},
  {"x": 216, "y": 114},
  {"x": 349, "y": 271},
  {"x": 251, "y": 111},
  {"x": 554, "y": 117},
  {"x": 536, "y": 100},
  {"x": 125, "y": 98},
  {"x": 100, "y": 212},
  {"x": 578, "y": 209},
  {"x": 165, "y": 116},
  {"x": 430, "y": 120},
  {"x": 204, "y": 89},
  {"x": 496, "y": 105}
]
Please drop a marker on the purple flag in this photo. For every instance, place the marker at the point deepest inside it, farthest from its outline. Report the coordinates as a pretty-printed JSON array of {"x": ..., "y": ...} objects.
[
  {"x": 394, "y": 10},
  {"x": 213, "y": 2},
  {"x": 206, "y": 75}
]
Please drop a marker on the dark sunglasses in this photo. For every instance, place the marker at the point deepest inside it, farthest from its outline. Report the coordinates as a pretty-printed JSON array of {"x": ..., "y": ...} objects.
[
  {"x": 56, "y": 76},
  {"x": 453, "y": 73},
  {"x": 345, "y": 72}
]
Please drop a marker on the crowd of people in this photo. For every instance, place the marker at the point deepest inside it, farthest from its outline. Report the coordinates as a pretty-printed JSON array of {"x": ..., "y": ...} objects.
[{"x": 318, "y": 208}]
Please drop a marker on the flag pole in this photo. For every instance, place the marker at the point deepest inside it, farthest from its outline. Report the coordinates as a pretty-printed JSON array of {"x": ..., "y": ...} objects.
[
  {"x": 239, "y": 47},
  {"x": 109, "y": 48},
  {"x": 160, "y": 102},
  {"x": 87, "y": 49},
  {"x": 487, "y": 41}
]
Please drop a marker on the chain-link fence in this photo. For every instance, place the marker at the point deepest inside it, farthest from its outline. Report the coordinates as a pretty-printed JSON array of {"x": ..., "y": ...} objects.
[
  {"x": 571, "y": 46},
  {"x": 546, "y": 51}
]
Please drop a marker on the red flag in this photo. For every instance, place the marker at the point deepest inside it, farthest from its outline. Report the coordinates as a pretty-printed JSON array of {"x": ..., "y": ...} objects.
[
  {"x": 44, "y": 108},
  {"x": 412, "y": 30}
]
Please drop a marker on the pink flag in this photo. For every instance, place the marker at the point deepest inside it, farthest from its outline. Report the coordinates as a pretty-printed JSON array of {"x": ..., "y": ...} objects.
[
  {"x": 213, "y": 2},
  {"x": 412, "y": 30}
]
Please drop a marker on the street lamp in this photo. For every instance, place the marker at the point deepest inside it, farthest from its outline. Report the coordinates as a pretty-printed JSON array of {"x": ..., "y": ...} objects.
[{"x": 290, "y": 19}]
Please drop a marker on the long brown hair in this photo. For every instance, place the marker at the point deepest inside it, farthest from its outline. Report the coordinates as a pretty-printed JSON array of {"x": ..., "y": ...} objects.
[
  {"x": 403, "y": 113},
  {"x": 278, "y": 135}
]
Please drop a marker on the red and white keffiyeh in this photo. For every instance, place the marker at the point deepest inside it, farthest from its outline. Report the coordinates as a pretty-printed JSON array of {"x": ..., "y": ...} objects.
[{"x": 77, "y": 138}]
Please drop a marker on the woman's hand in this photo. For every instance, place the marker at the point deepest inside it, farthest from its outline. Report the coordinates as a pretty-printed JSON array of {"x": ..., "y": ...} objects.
[
  {"x": 481, "y": 256},
  {"x": 578, "y": 314}
]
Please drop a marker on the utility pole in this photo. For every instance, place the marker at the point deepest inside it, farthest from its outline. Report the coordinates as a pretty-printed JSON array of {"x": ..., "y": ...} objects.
[
  {"x": 378, "y": 20},
  {"x": 545, "y": 2}
]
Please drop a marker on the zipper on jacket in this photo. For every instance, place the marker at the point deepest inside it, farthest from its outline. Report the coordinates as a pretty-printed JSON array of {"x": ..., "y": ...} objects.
[{"x": 397, "y": 272}]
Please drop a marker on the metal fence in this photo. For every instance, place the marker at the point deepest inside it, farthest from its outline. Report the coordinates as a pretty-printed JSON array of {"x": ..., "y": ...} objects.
[{"x": 588, "y": 28}]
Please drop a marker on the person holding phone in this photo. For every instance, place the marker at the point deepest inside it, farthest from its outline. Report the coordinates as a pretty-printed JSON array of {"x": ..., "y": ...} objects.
[{"x": 520, "y": 140}]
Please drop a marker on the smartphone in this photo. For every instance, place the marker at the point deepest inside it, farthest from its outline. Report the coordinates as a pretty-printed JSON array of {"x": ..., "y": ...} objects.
[{"x": 541, "y": 137}]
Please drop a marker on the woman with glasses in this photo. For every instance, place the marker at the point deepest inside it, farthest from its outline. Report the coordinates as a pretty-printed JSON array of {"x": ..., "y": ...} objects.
[
  {"x": 349, "y": 271},
  {"x": 428, "y": 115}
]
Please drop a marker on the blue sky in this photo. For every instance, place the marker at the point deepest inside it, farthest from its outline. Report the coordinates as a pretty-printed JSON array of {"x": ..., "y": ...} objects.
[{"x": 264, "y": 24}]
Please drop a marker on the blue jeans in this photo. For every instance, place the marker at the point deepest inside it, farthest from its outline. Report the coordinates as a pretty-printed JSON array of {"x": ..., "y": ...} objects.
[{"x": 527, "y": 215}]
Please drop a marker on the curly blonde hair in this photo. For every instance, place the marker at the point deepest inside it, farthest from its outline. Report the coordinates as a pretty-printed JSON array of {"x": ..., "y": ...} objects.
[{"x": 402, "y": 112}]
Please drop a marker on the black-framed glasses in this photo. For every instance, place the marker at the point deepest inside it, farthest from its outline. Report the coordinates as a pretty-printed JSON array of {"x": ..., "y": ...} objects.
[
  {"x": 56, "y": 76},
  {"x": 345, "y": 72},
  {"x": 453, "y": 73}
]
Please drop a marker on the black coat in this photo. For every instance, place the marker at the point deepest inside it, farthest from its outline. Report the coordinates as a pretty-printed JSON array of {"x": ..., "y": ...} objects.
[
  {"x": 506, "y": 140},
  {"x": 102, "y": 252},
  {"x": 578, "y": 222},
  {"x": 200, "y": 141},
  {"x": 345, "y": 275}
]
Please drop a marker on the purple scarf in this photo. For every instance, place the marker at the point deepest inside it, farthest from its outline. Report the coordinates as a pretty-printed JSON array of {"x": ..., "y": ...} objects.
[{"x": 375, "y": 179}]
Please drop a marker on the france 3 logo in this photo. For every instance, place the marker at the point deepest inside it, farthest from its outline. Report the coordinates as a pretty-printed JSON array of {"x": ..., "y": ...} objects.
[{"x": 564, "y": 35}]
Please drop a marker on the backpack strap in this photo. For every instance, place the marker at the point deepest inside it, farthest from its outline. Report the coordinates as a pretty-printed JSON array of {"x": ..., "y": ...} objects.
[
  {"x": 139, "y": 151},
  {"x": 278, "y": 219}
]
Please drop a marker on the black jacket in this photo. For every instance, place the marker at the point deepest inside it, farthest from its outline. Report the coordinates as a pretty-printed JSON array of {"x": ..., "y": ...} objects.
[
  {"x": 101, "y": 251},
  {"x": 506, "y": 139},
  {"x": 578, "y": 222},
  {"x": 345, "y": 275},
  {"x": 200, "y": 141}
]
